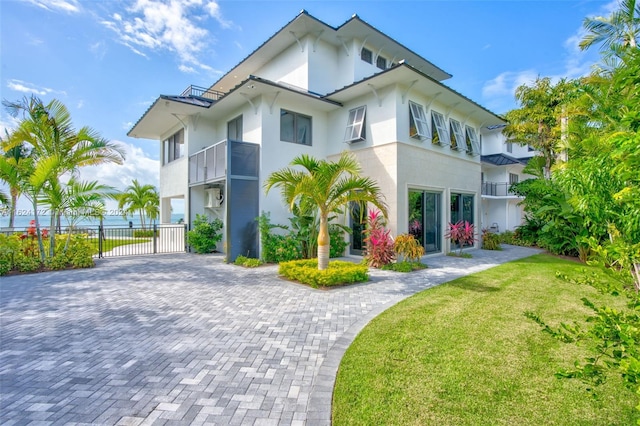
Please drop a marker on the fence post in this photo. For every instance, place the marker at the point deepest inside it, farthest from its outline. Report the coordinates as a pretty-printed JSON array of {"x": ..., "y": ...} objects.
[
  {"x": 100, "y": 231},
  {"x": 155, "y": 241}
]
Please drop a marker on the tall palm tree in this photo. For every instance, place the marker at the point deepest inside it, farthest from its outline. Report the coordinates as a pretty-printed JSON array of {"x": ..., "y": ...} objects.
[
  {"x": 9, "y": 174},
  {"x": 330, "y": 186},
  {"x": 143, "y": 199},
  {"x": 48, "y": 132},
  {"x": 618, "y": 31}
]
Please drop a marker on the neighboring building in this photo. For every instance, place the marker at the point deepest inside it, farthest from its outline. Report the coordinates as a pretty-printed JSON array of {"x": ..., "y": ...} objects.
[
  {"x": 318, "y": 90},
  {"x": 502, "y": 165}
]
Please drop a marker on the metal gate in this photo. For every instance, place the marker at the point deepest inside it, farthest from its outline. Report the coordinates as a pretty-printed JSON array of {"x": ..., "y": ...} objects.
[{"x": 130, "y": 241}]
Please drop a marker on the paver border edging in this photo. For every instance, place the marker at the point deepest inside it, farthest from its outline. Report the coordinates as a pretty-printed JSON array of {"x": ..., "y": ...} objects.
[{"x": 321, "y": 396}]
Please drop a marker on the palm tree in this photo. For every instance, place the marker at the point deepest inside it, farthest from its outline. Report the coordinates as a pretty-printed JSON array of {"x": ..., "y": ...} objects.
[
  {"x": 618, "y": 31},
  {"x": 48, "y": 132},
  {"x": 143, "y": 199},
  {"x": 329, "y": 186},
  {"x": 9, "y": 174}
]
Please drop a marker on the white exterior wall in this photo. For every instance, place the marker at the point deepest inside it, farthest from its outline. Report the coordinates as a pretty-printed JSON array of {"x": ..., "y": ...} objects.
[
  {"x": 291, "y": 66},
  {"x": 324, "y": 71}
]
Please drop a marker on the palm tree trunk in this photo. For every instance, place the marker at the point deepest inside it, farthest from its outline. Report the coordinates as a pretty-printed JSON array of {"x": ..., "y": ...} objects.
[
  {"x": 12, "y": 212},
  {"x": 52, "y": 234},
  {"x": 38, "y": 234},
  {"x": 323, "y": 243},
  {"x": 142, "y": 220}
]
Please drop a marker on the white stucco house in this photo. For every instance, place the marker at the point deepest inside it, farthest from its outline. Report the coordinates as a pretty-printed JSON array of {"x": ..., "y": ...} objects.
[
  {"x": 502, "y": 165},
  {"x": 319, "y": 90}
]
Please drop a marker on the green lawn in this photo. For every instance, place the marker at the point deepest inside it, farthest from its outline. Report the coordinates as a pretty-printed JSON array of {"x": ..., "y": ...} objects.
[
  {"x": 111, "y": 243},
  {"x": 464, "y": 354}
]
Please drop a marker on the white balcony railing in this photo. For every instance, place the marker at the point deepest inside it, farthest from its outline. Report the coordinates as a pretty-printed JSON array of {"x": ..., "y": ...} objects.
[{"x": 209, "y": 164}]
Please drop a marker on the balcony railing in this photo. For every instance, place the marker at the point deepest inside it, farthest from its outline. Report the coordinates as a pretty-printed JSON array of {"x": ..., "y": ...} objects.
[
  {"x": 202, "y": 92},
  {"x": 209, "y": 164},
  {"x": 497, "y": 189}
]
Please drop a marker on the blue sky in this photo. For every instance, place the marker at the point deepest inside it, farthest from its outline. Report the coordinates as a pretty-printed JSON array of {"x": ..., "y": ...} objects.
[{"x": 107, "y": 61}]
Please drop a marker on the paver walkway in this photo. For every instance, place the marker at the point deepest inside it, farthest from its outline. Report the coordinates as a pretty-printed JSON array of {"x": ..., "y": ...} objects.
[{"x": 187, "y": 339}]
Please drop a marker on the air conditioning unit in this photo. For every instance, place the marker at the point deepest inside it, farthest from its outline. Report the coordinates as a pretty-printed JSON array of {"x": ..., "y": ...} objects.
[{"x": 212, "y": 197}]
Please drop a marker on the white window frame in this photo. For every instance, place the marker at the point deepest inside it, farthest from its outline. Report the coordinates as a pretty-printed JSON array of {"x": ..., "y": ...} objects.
[
  {"x": 173, "y": 147},
  {"x": 355, "y": 131},
  {"x": 419, "y": 119},
  {"x": 441, "y": 127},
  {"x": 470, "y": 132},
  {"x": 456, "y": 128},
  {"x": 299, "y": 133},
  {"x": 513, "y": 178}
]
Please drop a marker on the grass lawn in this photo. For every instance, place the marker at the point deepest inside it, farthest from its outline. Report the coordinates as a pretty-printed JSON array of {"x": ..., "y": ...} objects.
[
  {"x": 464, "y": 354},
  {"x": 111, "y": 243}
]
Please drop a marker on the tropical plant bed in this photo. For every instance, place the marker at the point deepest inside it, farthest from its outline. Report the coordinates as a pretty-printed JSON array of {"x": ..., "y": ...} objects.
[
  {"x": 337, "y": 273},
  {"x": 463, "y": 353}
]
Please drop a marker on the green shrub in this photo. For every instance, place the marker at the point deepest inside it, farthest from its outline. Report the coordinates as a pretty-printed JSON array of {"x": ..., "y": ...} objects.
[
  {"x": 205, "y": 235},
  {"x": 57, "y": 262},
  {"x": 144, "y": 233},
  {"x": 404, "y": 266},
  {"x": 337, "y": 273},
  {"x": 80, "y": 252},
  {"x": 337, "y": 243},
  {"x": 26, "y": 262},
  {"x": 277, "y": 248},
  {"x": 9, "y": 246},
  {"x": 379, "y": 245},
  {"x": 490, "y": 241},
  {"x": 248, "y": 262}
]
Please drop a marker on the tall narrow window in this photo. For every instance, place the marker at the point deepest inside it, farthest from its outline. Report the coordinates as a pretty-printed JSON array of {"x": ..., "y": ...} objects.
[
  {"x": 234, "y": 129},
  {"x": 439, "y": 134},
  {"x": 295, "y": 127},
  {"x": 418, "y": 126},
  {"x": 356, "y": 125},
  {"x": 473, "y": 145},
  {"x": 173, "y": 147},
  {"x": 366, "y": 55},
  {"x": 457, "y": 135},
  {"x": 381, "y": 63},
  {"x": 513, "y": 178},
  {"x": 510, "y": 147}
]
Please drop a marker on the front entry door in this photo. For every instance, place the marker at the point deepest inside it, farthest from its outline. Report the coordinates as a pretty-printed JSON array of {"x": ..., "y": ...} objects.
[{"x": 358, "y": 225}]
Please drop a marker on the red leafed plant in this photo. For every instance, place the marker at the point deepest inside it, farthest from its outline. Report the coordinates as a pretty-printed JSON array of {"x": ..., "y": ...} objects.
[
  {"x": 379, "y": 249},
  {"x": 461, "y": 233}
]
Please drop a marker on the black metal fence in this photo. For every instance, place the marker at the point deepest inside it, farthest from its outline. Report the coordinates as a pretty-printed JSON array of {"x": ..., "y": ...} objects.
[
  {"x": 497, "y": 189},
  {"x": 111, "y": 241}
]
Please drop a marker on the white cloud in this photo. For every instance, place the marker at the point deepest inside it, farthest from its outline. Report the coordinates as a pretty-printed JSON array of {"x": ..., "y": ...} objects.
[
  {"x": 137, "y": 165},
  {"x": 25, "y": 87},
  {"x": 506, "y": 83},
  {"x": 171, "y": 25},
  {"x": 68, "y": 6},
  {"x": 99, "y": 49}
]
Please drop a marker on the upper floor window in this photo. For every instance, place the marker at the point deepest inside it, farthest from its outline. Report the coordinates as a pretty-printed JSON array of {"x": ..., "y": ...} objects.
[
  {"x": 295, "y": 127},
  {"x": 509, "y": 146},
  {"x": 473, "y": 145},
  {"x": 356, "y": 125},
  {"x": 513, "y": 178},
  {"x": 234, "y": 129},
  {"x": 439, "y": 134},
  {"x": 457, "y": 135},
  {"x": 418, "y": 126},
  {"x": 381, "y": 63},
  {"x": 173, "y": 147},
  {"x": 366, "y": 55}
]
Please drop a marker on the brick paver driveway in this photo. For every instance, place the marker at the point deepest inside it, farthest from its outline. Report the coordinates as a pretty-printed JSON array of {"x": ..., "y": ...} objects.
[{"x": 187, "y": 339}]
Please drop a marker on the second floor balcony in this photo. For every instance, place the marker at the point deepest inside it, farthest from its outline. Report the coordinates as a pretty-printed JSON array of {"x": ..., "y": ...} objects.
[
  {"x": 209, "y": 164},
  {"x": 497, "y": 189}
]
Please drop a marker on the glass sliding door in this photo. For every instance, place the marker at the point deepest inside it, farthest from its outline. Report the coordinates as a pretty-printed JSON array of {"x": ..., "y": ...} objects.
[
  {"x": 462, "y": 208},
  {"x": 425, "y": 219},
  {"x": 358, "y": 220}
]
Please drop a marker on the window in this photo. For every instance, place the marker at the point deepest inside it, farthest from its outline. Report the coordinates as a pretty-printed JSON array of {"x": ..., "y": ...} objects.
[
  {"x": 457, "y": 136},
  {"x": 462, "y": 208},
  {"x": 473, "y": 146},
  {"x": 295, "y": 127},
  {"x": 173, "y": 147},
  {"x": 381, "y": 63},
  {"x": 234, "y": 129},
  {"x": 366, "y": 55},
  {"x": 418, "y": 126},
  {"x": 356, "y": 125},
  {"x": 509, "y": 146},
  {"x": 439, "y": 134},
  {"x": 513, "y": 178}
]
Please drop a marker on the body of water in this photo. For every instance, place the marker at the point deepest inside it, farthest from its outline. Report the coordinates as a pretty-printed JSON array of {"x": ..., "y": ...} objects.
[{"x": 23, "y": 218}]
